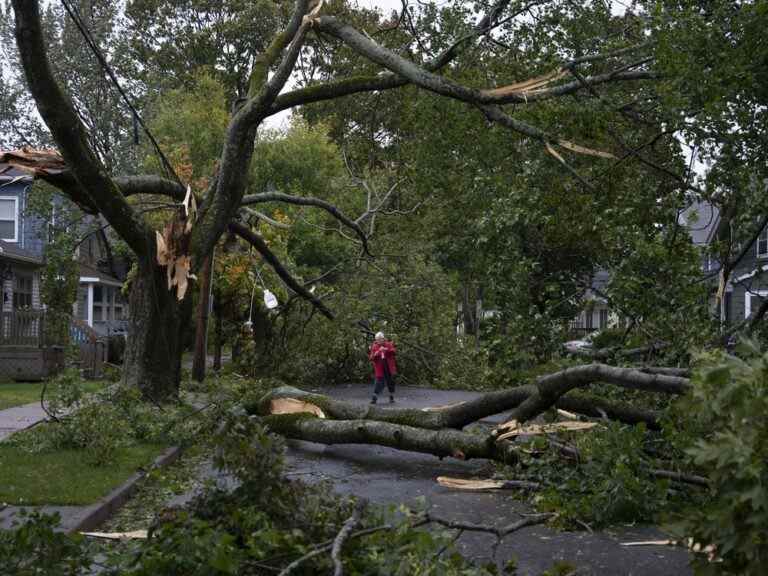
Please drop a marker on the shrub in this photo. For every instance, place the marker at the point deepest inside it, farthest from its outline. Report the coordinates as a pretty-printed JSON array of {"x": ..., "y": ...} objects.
[{"x": 727, "y": 438}]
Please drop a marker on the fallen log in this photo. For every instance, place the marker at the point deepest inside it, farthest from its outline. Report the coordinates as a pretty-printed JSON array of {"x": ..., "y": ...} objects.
[
  {"x": 550, "y": 388},
  {"x": 441, "y": 443},
  {"x": 459, "y": 415}
]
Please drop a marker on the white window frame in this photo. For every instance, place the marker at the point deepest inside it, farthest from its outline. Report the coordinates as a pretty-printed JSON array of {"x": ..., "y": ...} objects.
[
  {"x": 763, "y": 237},
  {"x": 748, "y": 300},
  {"x": 15, "y": 219}
]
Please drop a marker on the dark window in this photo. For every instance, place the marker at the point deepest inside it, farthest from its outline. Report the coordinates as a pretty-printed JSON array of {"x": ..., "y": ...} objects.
[
  {"x": 603, "y": 318},
  {"x": 590, "y": 319},
  {"x": 762, "y": 244},
  {"x": 8, "y": 219},
  {"x": 22, "y": 291}
]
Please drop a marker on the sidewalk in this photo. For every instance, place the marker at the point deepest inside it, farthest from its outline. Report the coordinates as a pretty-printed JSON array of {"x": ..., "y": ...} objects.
[{"x": 19, "y": 417}]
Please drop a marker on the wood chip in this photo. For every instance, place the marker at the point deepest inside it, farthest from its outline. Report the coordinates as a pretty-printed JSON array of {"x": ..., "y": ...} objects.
[
  {"x": 566, "y": 414},
  {"x": 294, "y": 406},
  {"x": 135, "y": 535}
]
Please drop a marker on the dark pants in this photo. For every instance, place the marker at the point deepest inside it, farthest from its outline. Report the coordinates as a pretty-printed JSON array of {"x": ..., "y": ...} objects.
[{"x": 389, "y": 380}]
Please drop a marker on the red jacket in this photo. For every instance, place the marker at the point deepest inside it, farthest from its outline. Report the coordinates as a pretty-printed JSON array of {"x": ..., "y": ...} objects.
[{"x": 381, "y": 353}]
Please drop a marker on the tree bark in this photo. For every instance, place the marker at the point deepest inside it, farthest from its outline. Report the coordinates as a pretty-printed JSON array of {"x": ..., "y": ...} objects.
[
  {"x": 458, "y": 415},
  {"x": 157, "y": 322},
  {"x": 441, "y": 443},
  {"x": 200, "y": 358}
]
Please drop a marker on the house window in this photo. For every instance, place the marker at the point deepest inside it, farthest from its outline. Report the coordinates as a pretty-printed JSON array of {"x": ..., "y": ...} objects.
[
  {"x": 22, "y": 291},
  {"x": 603, "y": 318},
  {"x": 590, "y": 320},
  {"x": 762, "y": 244},
  {"x": 9, "y": 219}
]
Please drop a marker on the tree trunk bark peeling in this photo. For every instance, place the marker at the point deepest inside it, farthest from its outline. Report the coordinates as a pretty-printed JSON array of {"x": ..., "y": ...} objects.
[{"x": 157, "y": 323}]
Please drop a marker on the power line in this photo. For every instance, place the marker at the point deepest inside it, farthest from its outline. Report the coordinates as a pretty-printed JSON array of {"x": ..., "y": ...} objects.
[{"x": 74, "y": 14}]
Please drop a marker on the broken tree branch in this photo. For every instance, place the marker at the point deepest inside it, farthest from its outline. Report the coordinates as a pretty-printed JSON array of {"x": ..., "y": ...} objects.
[
  {"x": 342, "y": 536},
  {"x": 261, "y": 247},
  {"x": 440, "y": 443},
  {"x": 550, "y": 388},
  {"x": 309, "y": 201}
]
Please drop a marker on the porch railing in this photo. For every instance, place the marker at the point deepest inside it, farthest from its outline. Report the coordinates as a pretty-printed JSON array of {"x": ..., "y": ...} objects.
[{"x": 22, "y": 328}]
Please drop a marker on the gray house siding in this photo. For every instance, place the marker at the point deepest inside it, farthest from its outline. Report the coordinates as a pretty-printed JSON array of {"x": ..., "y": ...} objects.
[{"x": 28, "y": 226}]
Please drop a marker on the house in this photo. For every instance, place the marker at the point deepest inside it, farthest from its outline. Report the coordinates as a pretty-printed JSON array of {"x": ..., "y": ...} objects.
[
  {"x": 100, "y": 308},
  {"x": 596, "y": 313},
  {"x": 747, "y": 284},
  {"x": 100, "y": 303}
]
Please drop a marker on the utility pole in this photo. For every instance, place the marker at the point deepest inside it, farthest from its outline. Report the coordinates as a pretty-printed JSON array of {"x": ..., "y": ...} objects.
[{"x": 199, "y": 361}]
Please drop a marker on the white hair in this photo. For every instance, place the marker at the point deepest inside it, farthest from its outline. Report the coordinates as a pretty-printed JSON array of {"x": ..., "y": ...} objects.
[{"x": 379, "y": 336}]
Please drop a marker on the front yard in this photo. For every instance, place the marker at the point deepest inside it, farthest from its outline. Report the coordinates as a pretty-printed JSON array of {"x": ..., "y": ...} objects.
[
  {"x": 20, "y": 393},
  {"x": 66, "y": 477}
]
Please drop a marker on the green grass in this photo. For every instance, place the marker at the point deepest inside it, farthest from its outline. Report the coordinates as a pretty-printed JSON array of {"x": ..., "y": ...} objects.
[
  {"x": 64, "y": 477},
  {"x": 19, "y": 393}
]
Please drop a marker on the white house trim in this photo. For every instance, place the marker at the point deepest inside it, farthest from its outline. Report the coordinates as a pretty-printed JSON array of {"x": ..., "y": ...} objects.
[
  {"x": 16, "y": 218},
  {"x": 748, "y": 300},
  {"x": 94, "y": 280},
  {"x": 751, "y": 274},
  {"x": 90, "y": 306}
]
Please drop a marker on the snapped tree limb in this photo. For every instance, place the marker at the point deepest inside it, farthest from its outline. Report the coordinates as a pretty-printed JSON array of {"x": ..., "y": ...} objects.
[{"x": 261, "y": 247}]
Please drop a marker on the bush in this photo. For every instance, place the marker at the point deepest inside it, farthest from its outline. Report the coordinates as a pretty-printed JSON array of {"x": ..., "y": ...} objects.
[{"x": 727, "y": 438}]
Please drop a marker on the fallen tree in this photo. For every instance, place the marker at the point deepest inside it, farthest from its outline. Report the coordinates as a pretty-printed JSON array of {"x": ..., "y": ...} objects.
[
  {"x": 302, "y": 415},
  {"x": 526, "y": 401}
]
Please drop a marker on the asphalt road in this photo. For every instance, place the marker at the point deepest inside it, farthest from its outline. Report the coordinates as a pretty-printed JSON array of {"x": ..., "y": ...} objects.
[{"x": 388, "y": 476}]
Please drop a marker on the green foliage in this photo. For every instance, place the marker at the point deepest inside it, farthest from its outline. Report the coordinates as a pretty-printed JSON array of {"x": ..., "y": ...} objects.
[
  {"x": 35, "y": 548},
  {"x": 98, "y": 425},
  {"x": 727, "y": 438},
  {"x": 611, "y": 482}
]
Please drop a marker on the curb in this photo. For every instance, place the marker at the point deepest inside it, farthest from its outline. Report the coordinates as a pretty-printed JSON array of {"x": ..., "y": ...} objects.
[{"x": 98, "y": 513}]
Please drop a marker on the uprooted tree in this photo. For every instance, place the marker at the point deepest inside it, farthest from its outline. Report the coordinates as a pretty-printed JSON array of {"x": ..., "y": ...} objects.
[{"x": 160, "y": 304}]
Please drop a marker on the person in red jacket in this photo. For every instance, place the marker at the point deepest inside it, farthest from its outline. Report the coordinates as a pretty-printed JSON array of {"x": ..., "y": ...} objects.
[{"x": 382, "y": 356}]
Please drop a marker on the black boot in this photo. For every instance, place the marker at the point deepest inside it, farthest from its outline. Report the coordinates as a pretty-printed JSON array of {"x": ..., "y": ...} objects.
[
  {"x": 374, "y": 399},
  {"x": 391, "y": 399}
]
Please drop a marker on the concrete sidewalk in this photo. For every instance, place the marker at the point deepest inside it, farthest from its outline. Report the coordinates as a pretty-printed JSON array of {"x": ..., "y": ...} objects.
[{"x": 19, "y": 417}]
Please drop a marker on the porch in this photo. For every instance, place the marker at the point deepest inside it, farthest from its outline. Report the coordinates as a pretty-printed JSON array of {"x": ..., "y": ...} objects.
[{"x": 28, "y": 353}]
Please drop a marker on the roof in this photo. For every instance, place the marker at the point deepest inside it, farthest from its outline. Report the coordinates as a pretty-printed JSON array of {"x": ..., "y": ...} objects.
[
  {"x": 702, "y": 220},
  {"x": 9, "y": 174},
  {"x": 9, "y": 251},
  {"x": 91, "y": 274}
]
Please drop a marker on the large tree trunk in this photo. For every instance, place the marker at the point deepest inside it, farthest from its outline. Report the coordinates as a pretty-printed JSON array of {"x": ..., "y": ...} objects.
[{"x": 156, "y": 327}]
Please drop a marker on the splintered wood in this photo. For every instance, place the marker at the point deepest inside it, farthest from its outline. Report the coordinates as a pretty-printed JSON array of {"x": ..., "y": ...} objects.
[
  {"x": 482, "y": 485},
  {"x": 294, "y": 406},
  {"x": 441, "y": 408},
  {"x": 527, "y": 87},
  {"x": 514, "y": 428},
  {"x": 134, "y": 535},
  {"x": 173, "y": 246}
]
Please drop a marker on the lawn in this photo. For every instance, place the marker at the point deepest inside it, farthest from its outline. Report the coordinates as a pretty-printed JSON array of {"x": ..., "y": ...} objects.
[
  {"x": 18, "y": 393},
  {"x": 64, "y": 477}
]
